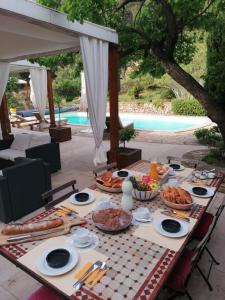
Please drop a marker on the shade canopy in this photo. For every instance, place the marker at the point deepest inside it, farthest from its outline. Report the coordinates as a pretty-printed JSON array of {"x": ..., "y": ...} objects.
[
  {"x": 21, "y": 66},
  {"x": 28, "y": 29}
]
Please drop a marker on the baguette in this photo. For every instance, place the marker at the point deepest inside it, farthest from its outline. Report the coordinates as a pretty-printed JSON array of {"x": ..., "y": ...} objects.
[{"x": 31, "y": 227}]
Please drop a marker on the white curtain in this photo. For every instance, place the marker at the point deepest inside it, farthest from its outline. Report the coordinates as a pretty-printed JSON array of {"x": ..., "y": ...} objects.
[
  {"x": 83, "y": 96},
  {"x": 4, "y": 75},
  {"x": 95, "y": 60},
  {"x": 38, "y": 89}
]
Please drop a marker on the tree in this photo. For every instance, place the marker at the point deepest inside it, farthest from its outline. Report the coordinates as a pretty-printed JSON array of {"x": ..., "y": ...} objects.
[{"x": 161, "y": 35}]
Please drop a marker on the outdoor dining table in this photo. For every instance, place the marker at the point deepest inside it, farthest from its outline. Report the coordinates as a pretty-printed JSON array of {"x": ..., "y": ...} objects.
[{"x": 139, "y": 259}]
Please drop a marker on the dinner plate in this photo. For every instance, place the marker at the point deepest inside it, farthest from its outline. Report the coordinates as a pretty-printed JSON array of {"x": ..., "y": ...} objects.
[
  {"x": 45, "y": 269},
  {"x": 157, "y": 224},
  {"x": 210, "y": 192},
  {"x": 73, "y": 200},
  {"x": 115, "y": 174},
  {"x": 181, "y": 167}
]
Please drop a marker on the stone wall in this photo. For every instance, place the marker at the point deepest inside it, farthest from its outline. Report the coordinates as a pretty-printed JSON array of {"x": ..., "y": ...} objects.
[{"x": 143, "y": 107}]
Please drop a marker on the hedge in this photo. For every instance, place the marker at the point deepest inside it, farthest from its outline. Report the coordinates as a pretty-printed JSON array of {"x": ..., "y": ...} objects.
[{"x": 188, "y": 107}]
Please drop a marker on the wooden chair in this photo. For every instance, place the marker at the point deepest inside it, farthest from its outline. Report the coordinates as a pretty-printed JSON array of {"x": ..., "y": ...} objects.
[
  {"x": 185, "y": 161},
  {"x": 47, "y": 197},
  {"x": 110, "y": 167}
]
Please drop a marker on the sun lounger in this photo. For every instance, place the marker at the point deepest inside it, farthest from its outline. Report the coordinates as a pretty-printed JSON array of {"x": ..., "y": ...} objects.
[{"x": 19, "y": 122}]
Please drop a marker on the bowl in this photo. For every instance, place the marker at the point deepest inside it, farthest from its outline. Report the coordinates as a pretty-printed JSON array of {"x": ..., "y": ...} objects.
[
  {"x": 201, "y": 191},
  {"x": 108, "y": 189},
  {"x": 177, "y": 206},
  {"x": 58, "y": 258},
  {"x": 175, "y": 166},
  {"x": 144, "y": 195},
  {"x": 81, "y": 197},
  {"x": 171, "y": 226},
  {"x": 112, "y": 220},
  {"x": 122, "y": 173}
]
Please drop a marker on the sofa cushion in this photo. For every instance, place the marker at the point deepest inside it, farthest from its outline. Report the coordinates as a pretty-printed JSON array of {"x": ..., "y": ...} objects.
[
  {"x": 21, "y": 141},
  {"x": 37, "y": 140},
  {"x": 11, "y": 154}
]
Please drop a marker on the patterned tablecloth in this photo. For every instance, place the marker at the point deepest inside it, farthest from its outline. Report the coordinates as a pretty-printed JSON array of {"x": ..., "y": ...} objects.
[{"x": 137, "y": 267}]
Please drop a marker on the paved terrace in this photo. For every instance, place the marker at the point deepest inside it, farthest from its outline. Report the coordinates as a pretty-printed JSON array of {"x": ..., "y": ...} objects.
[{"x": 77, "y": 163}]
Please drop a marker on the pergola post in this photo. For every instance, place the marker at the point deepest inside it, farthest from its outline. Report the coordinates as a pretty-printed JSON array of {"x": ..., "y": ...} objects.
[
  {"x": 4, "y": 118},
  {"x": 113, "y": 103},
  {"x": 50, "y": 99}
]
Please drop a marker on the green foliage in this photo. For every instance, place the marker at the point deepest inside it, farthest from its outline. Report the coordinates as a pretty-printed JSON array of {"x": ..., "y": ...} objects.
[
  {"x": 136, "y": 91},
  {"x": 158, "y": 103},
  {"x": 67, "y": 84},
  {"x": 127, "y": 134},
  {"x": 210, "y": 137},
  {"x": 12, "y": 87},
  {"x": 188, "y": 107},
  {"x": 216, "y": 59}
]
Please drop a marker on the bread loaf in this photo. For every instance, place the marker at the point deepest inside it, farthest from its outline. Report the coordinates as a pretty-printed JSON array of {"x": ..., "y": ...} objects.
[{"x": 31, "y": 227}]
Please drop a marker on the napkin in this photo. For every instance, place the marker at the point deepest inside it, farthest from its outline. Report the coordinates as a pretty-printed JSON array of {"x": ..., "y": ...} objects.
[
  {"x": 103, "y": 203},
  {"x": 95, "y": 276}
]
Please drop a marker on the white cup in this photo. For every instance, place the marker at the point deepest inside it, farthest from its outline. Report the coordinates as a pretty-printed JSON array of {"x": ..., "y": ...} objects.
[
  {"x": 81, "y": 236},
  {"x": 211, "y": 175},
  {"x": 143, "y": 213}
]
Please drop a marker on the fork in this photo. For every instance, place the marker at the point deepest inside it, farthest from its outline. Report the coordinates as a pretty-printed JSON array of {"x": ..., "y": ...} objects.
[
  {"x": 102, "y": 268},
  {"x": 78, "y": 284}
]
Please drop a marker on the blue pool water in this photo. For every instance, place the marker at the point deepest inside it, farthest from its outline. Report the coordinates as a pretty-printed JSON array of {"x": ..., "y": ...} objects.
[{"x": 144, "y": 122}]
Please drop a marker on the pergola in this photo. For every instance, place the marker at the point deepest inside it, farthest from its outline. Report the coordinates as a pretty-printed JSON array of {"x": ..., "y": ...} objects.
[{"x": 29, "y": 30}]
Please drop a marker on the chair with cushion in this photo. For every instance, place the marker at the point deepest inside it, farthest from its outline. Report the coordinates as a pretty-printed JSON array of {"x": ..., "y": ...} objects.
[
  {"x": 178, "y": 279},
  {"x": 35, "y": 145},
  {"x": 21, "y": 187},
  {"x": 44, "y": 293}
]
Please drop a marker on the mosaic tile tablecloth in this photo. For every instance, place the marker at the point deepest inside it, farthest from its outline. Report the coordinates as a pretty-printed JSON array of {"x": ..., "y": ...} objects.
[{"x": 137, "y": 267}]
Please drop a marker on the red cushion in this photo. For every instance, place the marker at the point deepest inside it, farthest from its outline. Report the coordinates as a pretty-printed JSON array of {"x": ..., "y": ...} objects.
[
  {"x": 203, "y": 226},
  {"x": 44, "y": 293},
  {"x": 181, "y": 271}
]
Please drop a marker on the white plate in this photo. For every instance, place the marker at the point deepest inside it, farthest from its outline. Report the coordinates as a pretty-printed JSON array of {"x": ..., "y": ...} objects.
[
  {"x": 45, "y": 269},
  {"x": 142, "y": 220},
  {"x": 181, "y": 167},
  {"x": 115, "y": 174},
  {"x": 158, "y": 227},
  {"x": 74, "y": 201},
  {"x": 210, "y": 192}
]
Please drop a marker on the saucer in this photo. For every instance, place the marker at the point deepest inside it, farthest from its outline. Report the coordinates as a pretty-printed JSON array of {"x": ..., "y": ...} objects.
[
  {"x": 83, "y": 245},
  {"x": 141, "y": 219}
]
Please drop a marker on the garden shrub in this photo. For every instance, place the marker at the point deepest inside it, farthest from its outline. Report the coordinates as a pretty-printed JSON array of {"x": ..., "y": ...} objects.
[
  {"x": 158, "y": 103},
  {"x": 210, "y": 137},
  {"x": 188, "y": 107},
  {"x": 167, "y": 94},
  {"x": 136, "y": 91}
]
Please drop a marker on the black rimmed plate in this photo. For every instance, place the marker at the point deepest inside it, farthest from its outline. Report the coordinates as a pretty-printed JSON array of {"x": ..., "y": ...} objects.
[
  {"x": 82, "y": 197},
  {"x": 58, "y": 258},
  {"x": 171, "y": 226},
  {"x": 200, "y": 191},
  {"x": 175, "y": 166}
]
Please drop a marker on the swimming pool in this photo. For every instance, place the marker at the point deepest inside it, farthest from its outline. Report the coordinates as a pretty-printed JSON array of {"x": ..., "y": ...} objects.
[{"x": 147, "y": 121}]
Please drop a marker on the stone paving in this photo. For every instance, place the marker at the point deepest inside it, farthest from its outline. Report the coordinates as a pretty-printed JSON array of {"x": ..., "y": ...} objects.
[{"x": 77, "y": 163}]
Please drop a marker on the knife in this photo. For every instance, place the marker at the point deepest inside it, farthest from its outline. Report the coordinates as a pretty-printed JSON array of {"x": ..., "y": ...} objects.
[
  {"x": 31, "y": 235},
  {"x": 169, "y": 214}
]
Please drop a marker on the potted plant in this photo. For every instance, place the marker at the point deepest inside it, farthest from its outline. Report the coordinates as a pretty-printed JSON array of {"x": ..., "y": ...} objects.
[
  {"x": 60, "y": 133},
  {"x": 127, "y": 156}
]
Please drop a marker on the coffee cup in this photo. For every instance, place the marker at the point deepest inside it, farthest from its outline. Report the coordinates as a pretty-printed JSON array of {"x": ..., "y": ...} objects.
[
  {"x": 81, "y": 236},
  {"x": 143, "y": 213}
]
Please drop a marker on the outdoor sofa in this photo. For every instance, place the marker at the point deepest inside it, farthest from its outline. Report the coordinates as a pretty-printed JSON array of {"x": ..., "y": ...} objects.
[
  {"x": 30, "y": 145},
  {"x": 21, "y": 187}
]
